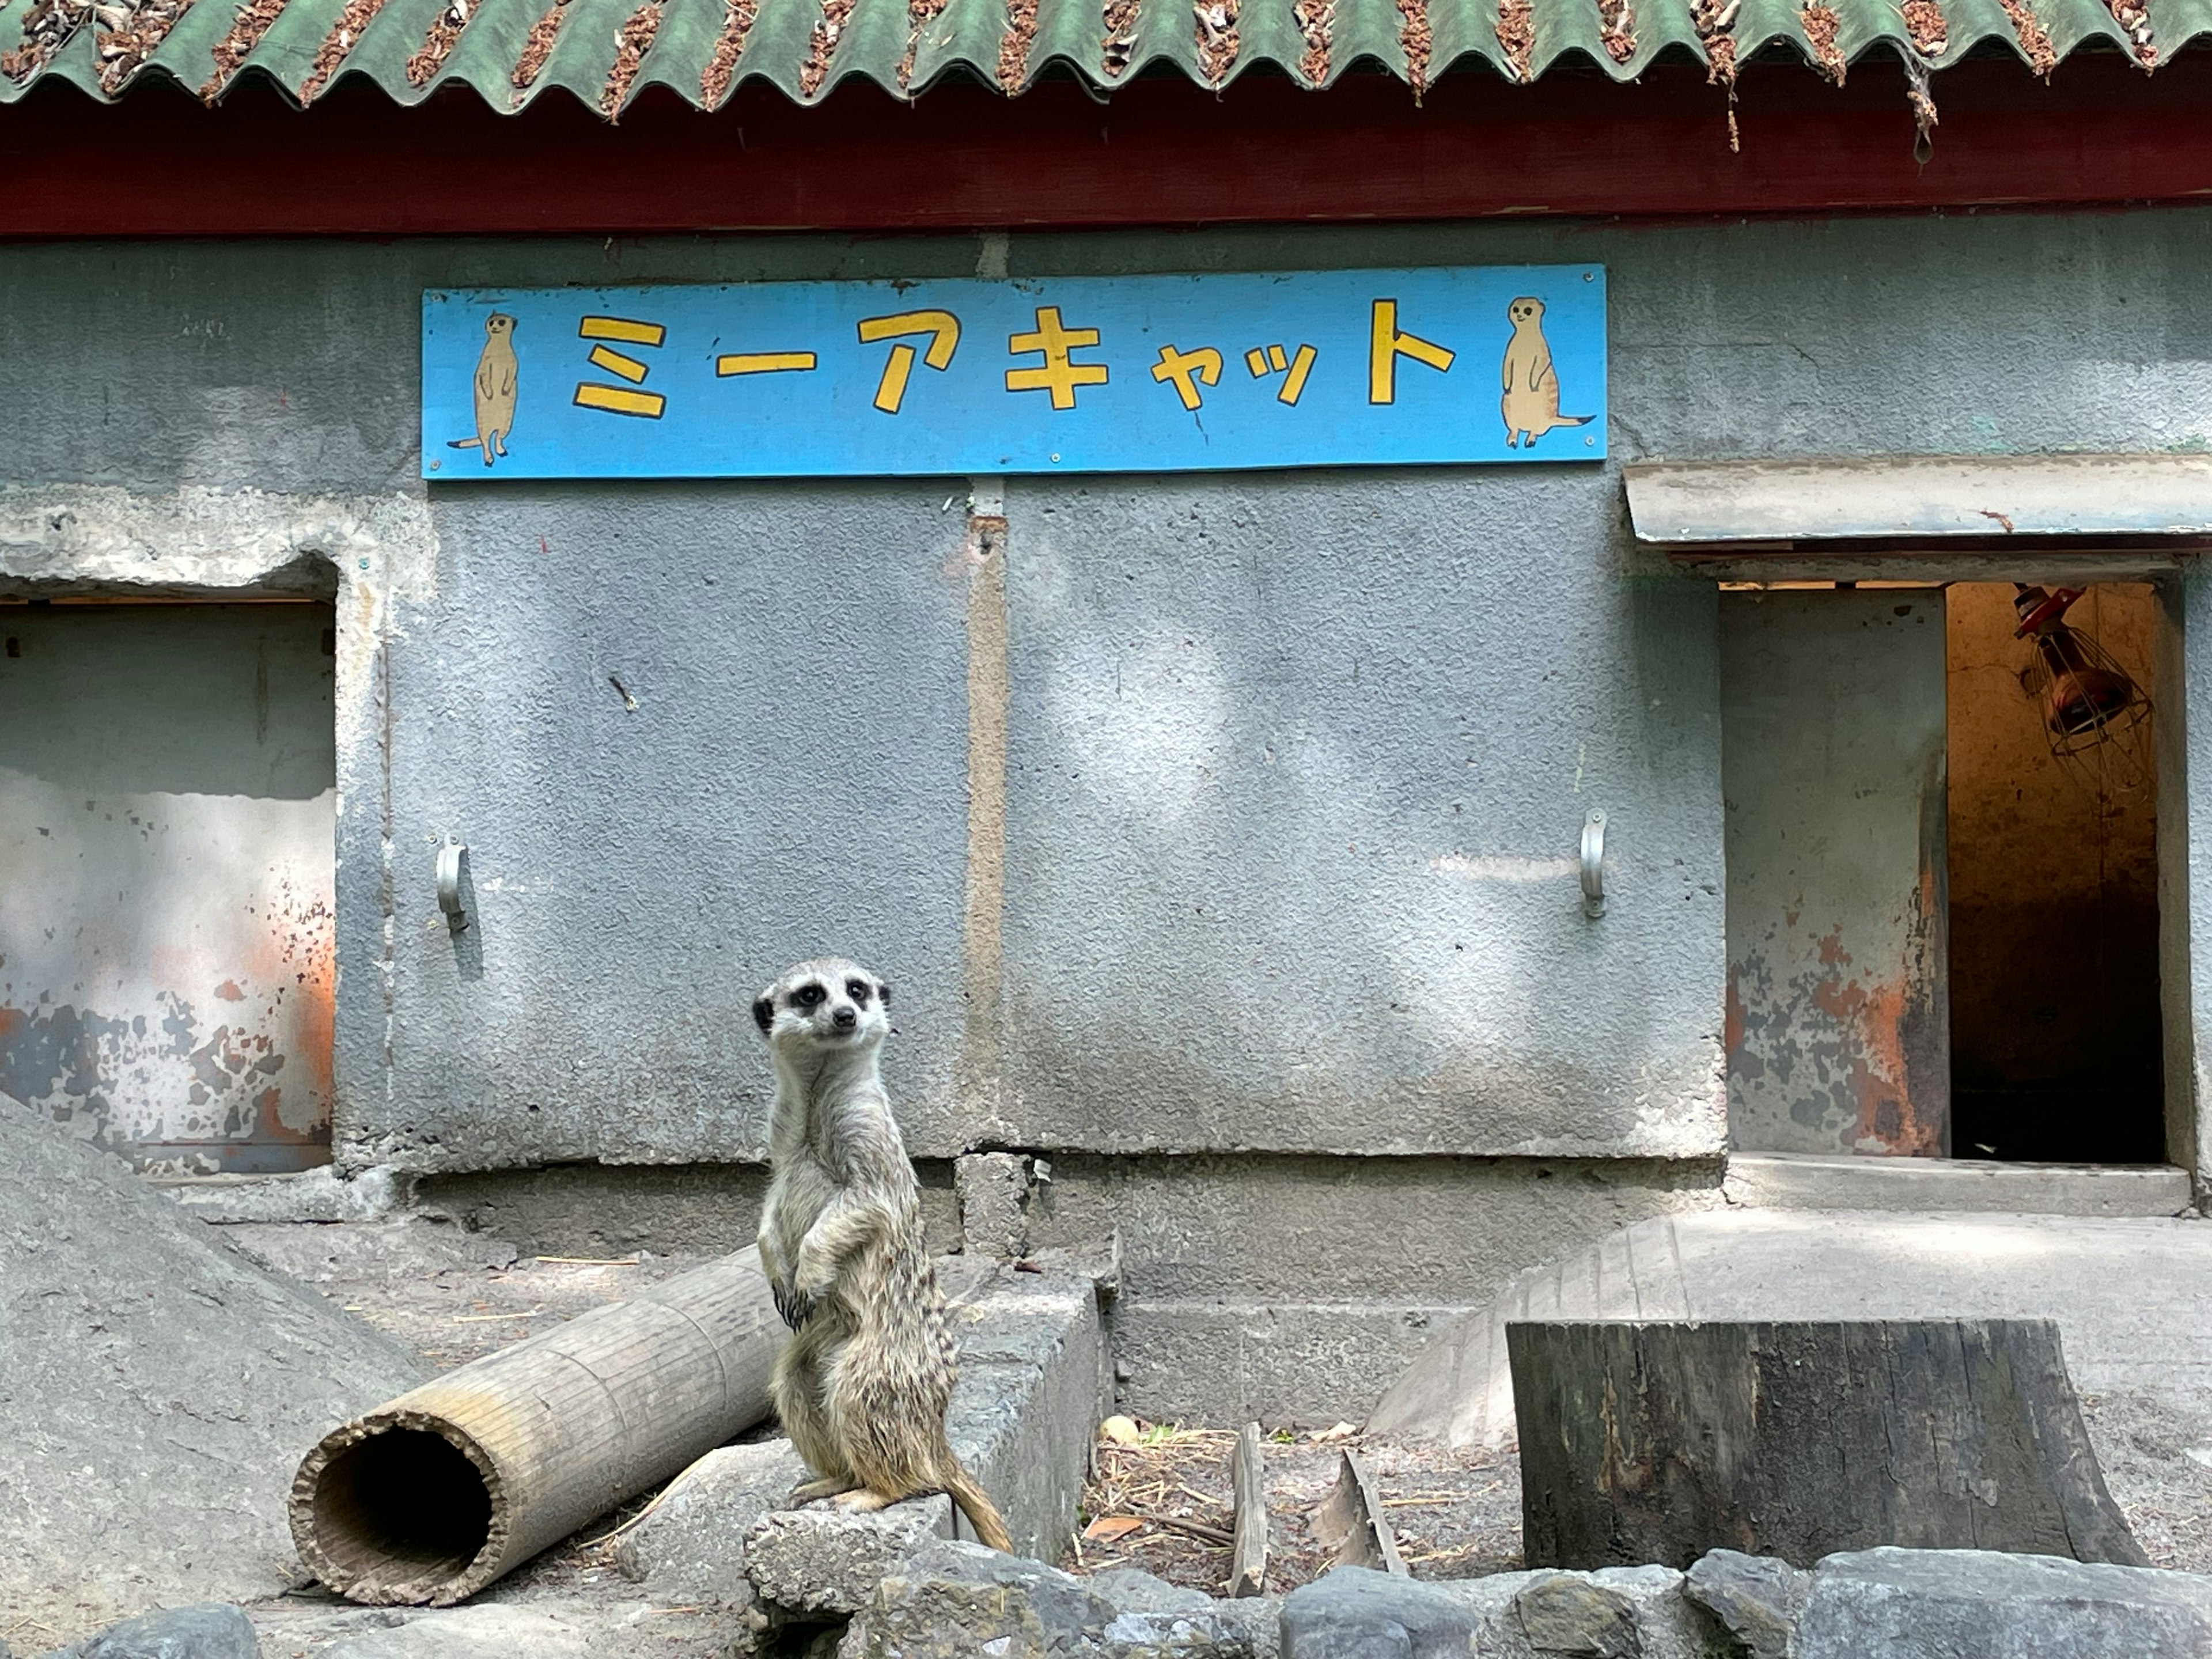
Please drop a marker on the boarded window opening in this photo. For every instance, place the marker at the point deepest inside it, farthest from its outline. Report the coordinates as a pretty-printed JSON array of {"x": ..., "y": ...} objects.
[{"x": 168, "y": 818}]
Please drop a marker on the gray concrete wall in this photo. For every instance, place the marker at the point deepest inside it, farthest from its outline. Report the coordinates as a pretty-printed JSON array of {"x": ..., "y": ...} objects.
[{"x": 1190, "y": 814}]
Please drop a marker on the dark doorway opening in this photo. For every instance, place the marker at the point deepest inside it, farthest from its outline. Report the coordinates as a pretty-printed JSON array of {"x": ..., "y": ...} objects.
[{"x": 2053, "y": 879}]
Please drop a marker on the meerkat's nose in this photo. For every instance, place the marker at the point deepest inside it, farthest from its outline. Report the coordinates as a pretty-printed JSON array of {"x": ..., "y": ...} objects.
[{"x": 846, "y": 1018}]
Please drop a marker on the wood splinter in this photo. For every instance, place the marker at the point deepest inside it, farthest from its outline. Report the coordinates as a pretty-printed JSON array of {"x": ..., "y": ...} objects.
[
  {"x": 1350, "y": 1523},
  {"x": 1248, "y": 1562}
]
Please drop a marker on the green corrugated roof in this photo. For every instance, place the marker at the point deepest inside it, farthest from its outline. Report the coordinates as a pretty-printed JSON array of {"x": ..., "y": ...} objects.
[{"x": 606, "y": 52}]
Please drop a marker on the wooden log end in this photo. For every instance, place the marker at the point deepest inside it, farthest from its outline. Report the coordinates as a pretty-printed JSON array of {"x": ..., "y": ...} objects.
[{"x": 400, "y": 1508}]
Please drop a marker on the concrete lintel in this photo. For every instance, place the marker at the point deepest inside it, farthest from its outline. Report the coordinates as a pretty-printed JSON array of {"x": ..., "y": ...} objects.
[
  {"x": 1932, "y": 495},
  {"x": 1795, "y": 1181}
]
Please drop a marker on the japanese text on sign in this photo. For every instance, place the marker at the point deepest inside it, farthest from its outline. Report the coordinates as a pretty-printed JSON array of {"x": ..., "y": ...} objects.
[{"x": 1082, "y": 375}]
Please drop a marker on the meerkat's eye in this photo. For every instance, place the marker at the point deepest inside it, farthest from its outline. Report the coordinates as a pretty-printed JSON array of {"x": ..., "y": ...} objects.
[
  {"x": 809, "y": 995},
  {"x": 858, "y": 990}
]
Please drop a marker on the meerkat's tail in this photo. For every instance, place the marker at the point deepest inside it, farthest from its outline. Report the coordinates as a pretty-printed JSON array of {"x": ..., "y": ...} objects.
[{"x": 975, "y": 1503}]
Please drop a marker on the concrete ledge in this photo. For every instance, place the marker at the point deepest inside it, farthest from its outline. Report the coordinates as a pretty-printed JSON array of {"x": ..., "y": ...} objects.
[
  {"x": 318, "y": 1194},
  {"x": 1801, "y": 1181},
  {"x": 1281, "y": 1362}
]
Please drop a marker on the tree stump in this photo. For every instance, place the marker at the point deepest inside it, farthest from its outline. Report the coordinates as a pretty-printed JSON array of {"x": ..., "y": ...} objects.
[{"x": 1657, "y": 1442}]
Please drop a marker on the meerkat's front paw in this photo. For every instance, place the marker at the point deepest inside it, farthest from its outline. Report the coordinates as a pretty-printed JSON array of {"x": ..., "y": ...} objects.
[
  {"x": 784, "y": 1303},
  {"x": 795, "y": 1307}
]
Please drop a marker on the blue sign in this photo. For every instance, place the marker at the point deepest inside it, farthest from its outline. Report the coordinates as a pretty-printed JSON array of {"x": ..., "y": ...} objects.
[{"x": 1075, "y": 374}]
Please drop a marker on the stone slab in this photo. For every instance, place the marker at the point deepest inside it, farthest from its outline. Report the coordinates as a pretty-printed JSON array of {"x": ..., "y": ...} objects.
[
  {"x": 1035, "y": 1377},
  {"x": 691, "y": 1546},
  {"x": 1971, "y": 1604},
  {"x": 1033, "y": 1383},
  {"x": 1615, "y": 1613},
  {"x": 323, "y": 1195},
  {"x": 956, "y": 1600},
  {"x": 158, "y": 1387},
  {"x": 823, "y": 1560},
  {"x": 1797, "y": 1181}
]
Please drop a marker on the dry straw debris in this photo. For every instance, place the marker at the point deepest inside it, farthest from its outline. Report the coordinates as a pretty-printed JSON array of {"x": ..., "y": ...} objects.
[
  {"x": 344, "y": 36},
  {"x": 1516, "y": 35}
]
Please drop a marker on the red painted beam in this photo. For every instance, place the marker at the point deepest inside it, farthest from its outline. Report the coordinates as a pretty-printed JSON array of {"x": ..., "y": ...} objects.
[{"x": 1161, "y": 152}]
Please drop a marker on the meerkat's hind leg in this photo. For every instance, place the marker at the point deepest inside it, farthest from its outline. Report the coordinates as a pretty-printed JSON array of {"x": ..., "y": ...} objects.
[
  {"x": 839, "y": 1487},
  {"x": 862, "y": 1500}
]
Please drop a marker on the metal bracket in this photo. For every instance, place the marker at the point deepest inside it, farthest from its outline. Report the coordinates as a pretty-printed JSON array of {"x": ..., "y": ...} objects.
[
  {"x": 453, "y": 873},
  {"x": 1594, "y": 865}
]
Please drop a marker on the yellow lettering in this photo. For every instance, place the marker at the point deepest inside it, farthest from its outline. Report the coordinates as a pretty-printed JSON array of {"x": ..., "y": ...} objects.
[
  {"x": 1184, "y": 369},
  {"x": 1386, "y": 345},
  {"x": 943, "y": 331},
  {"x": 1059, "y": 376}
]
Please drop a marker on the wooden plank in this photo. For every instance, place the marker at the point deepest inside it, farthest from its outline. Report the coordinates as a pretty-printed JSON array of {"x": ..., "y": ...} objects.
[
  {"x": 1351, "y": 1524},
  {"x": 1657, "y": 1442},
  {"x": 1247, "y": 1559}
]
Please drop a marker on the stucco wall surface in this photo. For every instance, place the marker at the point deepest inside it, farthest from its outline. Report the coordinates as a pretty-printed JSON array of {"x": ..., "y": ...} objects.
[{"x": 1293, "y": 764}]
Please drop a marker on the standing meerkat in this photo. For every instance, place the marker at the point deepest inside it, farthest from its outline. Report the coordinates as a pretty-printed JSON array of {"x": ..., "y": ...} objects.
[
  {"x": 497, "y": 372},
  {"x": 1531, "y": 402},
  {"x": 863, "y": 1383}
]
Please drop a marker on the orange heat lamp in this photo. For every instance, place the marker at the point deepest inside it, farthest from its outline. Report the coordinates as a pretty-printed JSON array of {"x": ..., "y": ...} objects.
[{"x": 2085, "y": 696}]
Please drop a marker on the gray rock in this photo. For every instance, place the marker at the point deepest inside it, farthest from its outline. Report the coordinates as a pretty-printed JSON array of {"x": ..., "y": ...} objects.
[
  {"x": 1662, "y": 1625},
  {"x": 1759, "y": 1598},
  {"x": 692, "y": 1546},
  {"x": 206, "y": 1630},
  {"x": 1253, "y": 1623},
  {"x": 822, "y": 1559},
  {"x": 1975, "y": 1604},
  {"x": 159, "y": 1388},
  {"x": 1170, "y": 1636},
  {"x": 1352, "y": 1613},
  {"x": 955, "y": 1600},
  {"x": 1133, "y": 1590},
  {"x": 1570, "y": 1613}
]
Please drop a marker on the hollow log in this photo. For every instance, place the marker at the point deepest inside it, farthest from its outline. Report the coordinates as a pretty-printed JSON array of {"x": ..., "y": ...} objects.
[
  {"x": 433, "y": 1495},
  {"x": 1657, "y": 1442}
]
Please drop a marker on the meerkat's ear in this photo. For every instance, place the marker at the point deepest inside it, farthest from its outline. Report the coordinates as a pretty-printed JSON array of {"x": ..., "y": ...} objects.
[
  {"x": 764, "y": 1013},
  {"x": 884, "y": 991}
]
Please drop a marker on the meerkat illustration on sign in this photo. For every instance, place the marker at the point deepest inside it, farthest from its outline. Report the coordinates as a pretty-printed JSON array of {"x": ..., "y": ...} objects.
[
  {"x": 495, "y": 389},
  {"x": 1531, "y": 402}
]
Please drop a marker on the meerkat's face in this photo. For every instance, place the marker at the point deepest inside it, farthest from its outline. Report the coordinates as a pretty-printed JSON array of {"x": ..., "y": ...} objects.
[
  {"x": 835, "y": 1004},
  {"x": 499, "y": 323},
  {"x": 1524, "y": 310}
]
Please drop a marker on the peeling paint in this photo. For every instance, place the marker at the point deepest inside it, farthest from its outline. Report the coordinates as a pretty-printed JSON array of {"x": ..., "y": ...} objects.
[
  {"x": 1837, "y": 1034},
  {"x": 167, "y": 811}
]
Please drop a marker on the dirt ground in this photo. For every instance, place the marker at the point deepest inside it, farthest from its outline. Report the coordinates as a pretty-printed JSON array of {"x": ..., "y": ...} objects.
[{"x": 1162, "y": 1503}]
